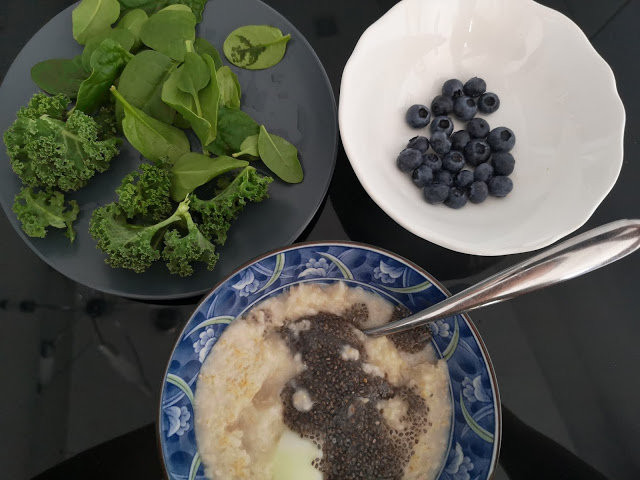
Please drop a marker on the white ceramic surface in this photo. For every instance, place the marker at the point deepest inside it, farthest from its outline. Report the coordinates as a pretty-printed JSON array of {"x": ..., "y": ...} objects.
[{"x": 557, "y": 94}]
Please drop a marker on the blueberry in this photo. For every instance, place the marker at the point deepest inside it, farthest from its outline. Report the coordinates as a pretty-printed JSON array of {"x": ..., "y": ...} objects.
[
  {"x": 465, "y": 108},
  {"x": 460, "y": 139},
  {"x": 444, "y": 178},
  {"x": 475, "y": 87},
  {"x": 422, "y": 175},
  {"x": 440, "y": 143},
  {"x": 500, "y": 186},
  {"x": 503, "y": 163},
  {"x": 478, "y": 192},
  {"x": 442, "y": 105},
  {"x": 483, "y": 172},
  {"x": 453, "y": 161},
  {"x": 419, "y": 143},
  {"x": 432, "y": 161},
  {"x": 409, "y": 159},
  {"x": 452, "y": 88},
  {"x": 418, "y": 116},
  {"x": 501, "y": 139},
  {"x": 476, "y": 152},
  {"x": 442, "y": 124},
  {"x": 436, "y": 193},
  {"x": 464, "y": 179},
  {"x": 478, "y": 128},
  {"x": 488, "y": 103},
  {"x": 456, "y": 199}
]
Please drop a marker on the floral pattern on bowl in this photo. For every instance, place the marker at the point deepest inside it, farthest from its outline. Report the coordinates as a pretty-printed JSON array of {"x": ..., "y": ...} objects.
[{"x": 475, "y": 433}]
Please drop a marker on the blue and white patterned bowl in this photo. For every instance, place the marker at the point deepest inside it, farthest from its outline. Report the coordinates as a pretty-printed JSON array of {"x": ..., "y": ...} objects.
[{"x": 475, "y": 432}]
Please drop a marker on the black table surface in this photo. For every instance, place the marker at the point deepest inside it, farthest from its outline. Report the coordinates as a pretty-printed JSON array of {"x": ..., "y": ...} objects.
[{"x": 81, "y": 371}]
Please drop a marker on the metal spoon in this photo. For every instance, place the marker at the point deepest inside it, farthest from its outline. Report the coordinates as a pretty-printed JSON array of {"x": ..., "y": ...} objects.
[{"x": 572, "y": 258}]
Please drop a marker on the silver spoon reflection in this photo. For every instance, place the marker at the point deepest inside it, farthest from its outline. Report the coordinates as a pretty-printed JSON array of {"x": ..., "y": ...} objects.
[{"x": 572, "y": 258}]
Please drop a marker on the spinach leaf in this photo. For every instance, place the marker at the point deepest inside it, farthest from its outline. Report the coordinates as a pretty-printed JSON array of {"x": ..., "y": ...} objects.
[
  {"x": 199, "y": 109},
  {"x": 255, "y": 47},
  {"x": 132, "y": 21},
  {"x": 229, "y": 87},
  {"x": 233, "y": 127},
  {"x": 202, "y": 46},
  {"x": 106, "y": 64},
  {"x": 280, "y": 156},
  {"x": 93, "y": 16},
  {"x": 249, "y": 147},
  {"x": 141, "y": 85},
  {"x": 179, "y": 120},
  {"x": 193, "y": 75},
  {"x": 60, "y": 75},
  {"x": 194, "y": 169},
  {"x": 152, "y": 138},
  {"x": 153, "y": 6},
  {"x": 123, "y": 37},
  {"x": 169, "y": 29}
]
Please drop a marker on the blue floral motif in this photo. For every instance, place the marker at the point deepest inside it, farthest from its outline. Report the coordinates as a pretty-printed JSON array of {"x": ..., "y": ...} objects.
[
  {"x": 315, "y": 268},
  {"x": 387, "y": 273},
  {"x": 178, "y": 420},
  {"x": 204, "y": 344},
  {"x": 475, "y": 426},
  {"x": 473, "y": 390},
  {"x": 459, "y": 466},
  {"x": 247, "y": 284},
  {"x": 441, "y": 328}
]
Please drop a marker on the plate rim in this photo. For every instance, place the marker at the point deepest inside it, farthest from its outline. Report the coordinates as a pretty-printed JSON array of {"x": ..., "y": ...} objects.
[
  {"x": 29, "y": 241},
  {"x": 447, "y": 241},
  {"x": 497, "y": 404}
]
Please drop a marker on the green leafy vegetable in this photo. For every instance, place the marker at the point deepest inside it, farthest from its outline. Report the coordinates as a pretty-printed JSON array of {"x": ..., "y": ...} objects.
[
  {"x": 141, "y": 85},
  {"x": 136, "y": 247},
  {"x": 233, "y": 127},
  {"x": 145, "y": 192},
  {"x": 106, "y": 121},
  {"x": 194, "y": 169},
  {"x": 169, "y": 29},
  {"x": 92, "y": 17},
  {"x": 194, "y": 75},
  {"x": 60, "y": 75},
  {"x": 218, "y": 212},
  {"x": 152, "y": 6},
  {"x": 47, "y": 152},
  {"x": 280, "y": 156},
  {"x": 249, "y": 147},
  {"x": 198, "y": 105},
  {"x": 38, "y": 211},
  {"x": 202, "y": 46},
  {"x": 106, "y": 64},
  {"x": 229, "y": 87},
  {"x": 122, "y": 37},
  {"x": 151, "y": 137},
  {"x": 181, "y": 250},
  {"x": 255, "y": 47},
  {"x": 132, "y": 21}
]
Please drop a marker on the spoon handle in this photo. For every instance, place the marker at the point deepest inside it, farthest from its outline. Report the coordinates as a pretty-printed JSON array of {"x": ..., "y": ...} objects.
[{"x": 579, "y": 255}]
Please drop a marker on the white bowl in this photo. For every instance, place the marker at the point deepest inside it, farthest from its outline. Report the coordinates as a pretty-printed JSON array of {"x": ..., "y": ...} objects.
[{"x": 557, "y": 94}]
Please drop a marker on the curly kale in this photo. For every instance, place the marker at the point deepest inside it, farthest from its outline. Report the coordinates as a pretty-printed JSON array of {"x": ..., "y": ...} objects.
[
  {"x": 218, "y": 212},
  {"x": 136, "y": 247},
  {"x": 39, "y": 210},
  {"x": 46, "y": 151},
  {"x": 145, "y": 192},
  {"x": 180, "y": 250}
]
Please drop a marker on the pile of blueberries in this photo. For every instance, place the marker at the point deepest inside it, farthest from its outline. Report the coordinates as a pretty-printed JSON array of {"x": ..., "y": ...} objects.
[{"x": 441, "y": 173}]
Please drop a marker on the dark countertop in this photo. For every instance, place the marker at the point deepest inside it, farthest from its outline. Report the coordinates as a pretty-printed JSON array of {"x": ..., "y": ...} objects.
[{"x": 565, "y": 357}]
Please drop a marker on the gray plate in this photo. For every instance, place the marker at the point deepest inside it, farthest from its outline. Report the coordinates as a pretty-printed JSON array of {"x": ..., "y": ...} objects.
[{"x": 293, "y": 99}]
